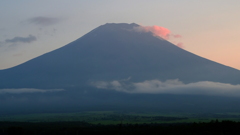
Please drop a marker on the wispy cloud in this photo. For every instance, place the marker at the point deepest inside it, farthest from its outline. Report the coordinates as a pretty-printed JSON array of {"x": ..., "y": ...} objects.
[
  {"x": 44, "y": 21},
  {"x": 28, "y": 39},
  {"x": 180, "y": 44},
  {"x": 28, "y": 90},
  {"x": 177, "y": 36},
  {"x": 158, "y": 31},
  {"x": 172, "y": 87}
]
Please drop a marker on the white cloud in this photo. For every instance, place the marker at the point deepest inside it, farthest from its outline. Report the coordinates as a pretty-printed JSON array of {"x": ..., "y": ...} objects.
[
  {"x": 28, "y": 90},
  {"x": 172, "y": 87}
]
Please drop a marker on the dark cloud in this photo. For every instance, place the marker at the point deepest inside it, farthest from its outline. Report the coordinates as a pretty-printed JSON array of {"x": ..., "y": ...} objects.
[
  {"x": 28, "y": 39},
  {"x": 28, "y": 90},
  {"x": 44, "y": 21},
  {"x": 172, "y": 87}
]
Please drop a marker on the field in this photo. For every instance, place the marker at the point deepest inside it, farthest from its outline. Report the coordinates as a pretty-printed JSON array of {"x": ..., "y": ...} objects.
[
  {"x": 119, "y": 123},
  {"x": 112, "y": 117}
]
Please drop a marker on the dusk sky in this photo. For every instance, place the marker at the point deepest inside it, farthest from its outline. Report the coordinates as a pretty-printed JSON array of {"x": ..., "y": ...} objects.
[{"x": 206, "y": 28}]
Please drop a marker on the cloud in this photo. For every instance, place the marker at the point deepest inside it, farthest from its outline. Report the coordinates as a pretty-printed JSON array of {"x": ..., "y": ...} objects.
[
  {"x": 177, "y": 36},
  {"x": 180, "y": 44},
  {"x": 44, "y": 21},
  {"x": 28, "y": 90},
  {"x": 172, "y": 87},
  {"x": 158, "y": 31},
  {"x": 28, "y": 39}
]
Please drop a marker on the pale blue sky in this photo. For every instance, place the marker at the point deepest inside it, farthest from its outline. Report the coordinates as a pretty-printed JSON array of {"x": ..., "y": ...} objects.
[{"x": 209, "y": 28}]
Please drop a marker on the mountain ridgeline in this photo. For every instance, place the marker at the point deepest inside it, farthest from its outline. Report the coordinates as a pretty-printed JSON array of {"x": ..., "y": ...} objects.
[{"x": 112, "y": 52}]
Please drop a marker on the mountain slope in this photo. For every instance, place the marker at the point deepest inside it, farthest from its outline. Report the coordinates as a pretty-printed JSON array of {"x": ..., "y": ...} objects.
[{"x": 113, "y": 52}]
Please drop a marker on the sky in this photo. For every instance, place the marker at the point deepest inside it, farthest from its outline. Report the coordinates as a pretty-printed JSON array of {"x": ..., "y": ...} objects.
[{"x": 31, "y": 28}]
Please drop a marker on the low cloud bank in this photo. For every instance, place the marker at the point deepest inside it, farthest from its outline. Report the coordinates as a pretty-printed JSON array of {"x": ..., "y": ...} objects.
[
  {"x": 172, "y": 87},
  {"x": 28, "y": 90}
]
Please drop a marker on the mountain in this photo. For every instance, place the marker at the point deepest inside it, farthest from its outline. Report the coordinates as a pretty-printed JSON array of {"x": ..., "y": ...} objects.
[
  {"x": 113, "y": 52},
  {"x": 109, "y": 52}
]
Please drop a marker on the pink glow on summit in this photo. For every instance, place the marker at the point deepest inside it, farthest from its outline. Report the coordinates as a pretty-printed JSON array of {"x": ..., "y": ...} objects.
[{"x": 161, "y": 32}]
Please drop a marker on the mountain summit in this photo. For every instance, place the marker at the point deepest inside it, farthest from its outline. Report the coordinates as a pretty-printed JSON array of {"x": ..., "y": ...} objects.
[{"x": 115, "y": 52}]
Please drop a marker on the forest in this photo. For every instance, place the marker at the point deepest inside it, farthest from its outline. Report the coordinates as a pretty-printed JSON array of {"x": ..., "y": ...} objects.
[{"x": 81, "y": 128}]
